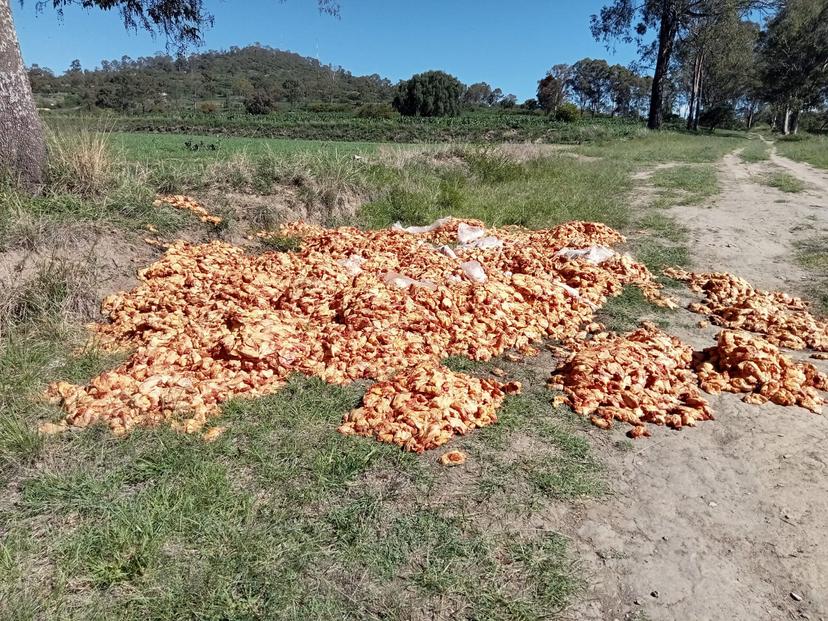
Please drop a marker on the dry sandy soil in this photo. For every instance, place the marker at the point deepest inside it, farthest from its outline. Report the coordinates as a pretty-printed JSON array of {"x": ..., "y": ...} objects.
[{"x": 728, "y": 520}]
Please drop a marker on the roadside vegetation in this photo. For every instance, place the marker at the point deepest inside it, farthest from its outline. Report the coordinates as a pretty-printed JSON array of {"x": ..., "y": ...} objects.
[
  {"x": 812, "y": 254},
  {"x": 812, "y": 149}
]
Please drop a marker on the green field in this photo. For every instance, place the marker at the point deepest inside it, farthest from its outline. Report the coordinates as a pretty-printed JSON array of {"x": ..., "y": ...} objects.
[{"x": 490, "y": 126}]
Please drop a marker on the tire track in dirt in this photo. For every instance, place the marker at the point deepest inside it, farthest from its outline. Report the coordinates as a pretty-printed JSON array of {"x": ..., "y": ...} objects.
[{"x": 727, "y": 520}]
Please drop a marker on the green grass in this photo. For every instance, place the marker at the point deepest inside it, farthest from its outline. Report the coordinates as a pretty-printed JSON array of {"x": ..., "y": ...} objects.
[
  {"x": 684, "y": 185},
  {"x": 282, "y": 517},
  {"x": 537, "y": 193},
  {"x": 805, "y": 148},
  {"x": 755, "y": 151},
  {"x": 628, "y": 310},
  {"x": 785, "y": 182},
  {"x": 660, "y": 147},
  {"x": 812, "y": 254}
]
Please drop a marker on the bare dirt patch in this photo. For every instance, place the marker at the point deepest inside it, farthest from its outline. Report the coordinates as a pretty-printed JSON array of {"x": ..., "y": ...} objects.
[{"x": 725, "y": 521}]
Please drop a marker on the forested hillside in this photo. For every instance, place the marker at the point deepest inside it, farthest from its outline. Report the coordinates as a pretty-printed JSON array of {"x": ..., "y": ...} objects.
[{"x": 159, "y": 82}]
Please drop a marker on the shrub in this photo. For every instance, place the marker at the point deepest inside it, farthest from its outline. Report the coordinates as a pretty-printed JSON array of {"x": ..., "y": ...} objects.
[
  {"x": 433, "y": 93},
  {"x": 261, "y": 102},
  {"x": 720, "y": 115},
  {"x": 375, "y": 111},
  {"x": 567, "y": 113},
  {"x": 323, "y": 107},
  {"x": 208, "y": 107}
]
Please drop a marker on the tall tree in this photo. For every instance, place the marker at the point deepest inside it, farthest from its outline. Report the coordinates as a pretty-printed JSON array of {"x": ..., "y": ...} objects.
[
  {"x": 794, "y": 55},
  {"x": 589, "y": 82},
  {"x": 552, "y": 89},
  {"x": 630, "y": 21},
  {"x": 477, "y": 94},
  {"x": 22, "y": 145}
]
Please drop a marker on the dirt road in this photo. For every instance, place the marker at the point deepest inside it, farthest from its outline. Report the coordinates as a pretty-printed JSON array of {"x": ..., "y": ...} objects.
[{"x": 728, "y": 520}]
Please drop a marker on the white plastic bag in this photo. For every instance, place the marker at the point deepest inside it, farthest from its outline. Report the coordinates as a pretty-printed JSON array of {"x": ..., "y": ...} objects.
[
  {"x": 446, "y": 250},
  {"x": 353, "y": 264},
  {"x": 572, "y": 291},
  {"x": 467, "y": 234},
  {"x": 594, "y": 254},
  {"x": 474, "y": 271},
  {"x": 417, "y": 230},
  {"x": 484, "y": 243},
  {"x": 395, "y": 279}
]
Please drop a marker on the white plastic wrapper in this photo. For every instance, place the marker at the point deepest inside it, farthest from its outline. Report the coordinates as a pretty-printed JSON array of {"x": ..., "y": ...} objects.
[
  {"x": 572, "y": 291},
  {"x": 417, "y": 230},
  {"x": 467, "y": 234},
  {"x": 594, "y": 254},
  {"x": 484, "y": 243},
  {"x": 353, "y": 264},
  {"x": 474, "y": 271},
  {"x": 446, "y": 250},
  {"x": 395, "y": 279}
]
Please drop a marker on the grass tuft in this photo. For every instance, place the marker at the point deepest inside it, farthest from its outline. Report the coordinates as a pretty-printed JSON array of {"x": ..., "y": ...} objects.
[
  {"x": 785, "y": 182},
  {"x": 81, "y": 161}
]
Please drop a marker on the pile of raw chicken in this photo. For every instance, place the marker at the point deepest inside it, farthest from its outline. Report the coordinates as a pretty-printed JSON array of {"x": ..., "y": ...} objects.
[{"x": 211, "y": 322}]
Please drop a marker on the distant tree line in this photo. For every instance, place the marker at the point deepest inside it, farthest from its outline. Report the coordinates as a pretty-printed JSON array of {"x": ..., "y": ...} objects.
[
  {"x": 256, "y": 77},
  {"x": 257, "y": 74},
  {"x": 594, "y": 86}
]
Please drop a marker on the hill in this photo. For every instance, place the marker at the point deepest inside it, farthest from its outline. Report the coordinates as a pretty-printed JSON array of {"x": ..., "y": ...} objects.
[{"x": 162, "y": 82}]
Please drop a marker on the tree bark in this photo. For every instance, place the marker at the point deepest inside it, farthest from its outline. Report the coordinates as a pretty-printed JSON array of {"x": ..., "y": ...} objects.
[
  {"x": 786, "y": 125},
  {"x": 666, "y": 37},
  {"x": 698, "y": 102},
  {"x": 22, "y": 143},
  {"x": 694, "y": 90}
]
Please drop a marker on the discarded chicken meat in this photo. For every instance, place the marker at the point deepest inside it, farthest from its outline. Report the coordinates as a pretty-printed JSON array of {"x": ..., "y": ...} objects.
[
  {"x": 424, "y": 407},
  {"x": 641, "y": 377},
  {"x": 187, "y": 203},
  {"x": 734, "y": 303},
  {"x": 742, "y": 362},
  {"x": 209, "y": 322}
]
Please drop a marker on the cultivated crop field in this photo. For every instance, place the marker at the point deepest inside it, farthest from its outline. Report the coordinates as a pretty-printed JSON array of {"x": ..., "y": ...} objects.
[{"x": 256, "y": 426}]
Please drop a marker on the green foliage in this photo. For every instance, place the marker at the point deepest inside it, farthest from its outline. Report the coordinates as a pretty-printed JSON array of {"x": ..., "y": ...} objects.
[
  {"x": 231, "y": 76},
  {"x": 567, "y": 112},
  {"x": 489, "y": 125},
  {"x": 719, "y": 115},
  {"x": 261, "y": 102},
  {"x": 375, "y": 111},
  {"x": 433, "y": 93}
]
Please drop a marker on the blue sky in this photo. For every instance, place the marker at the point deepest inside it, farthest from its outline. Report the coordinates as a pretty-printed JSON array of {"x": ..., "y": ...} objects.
[{"x": 508, "y": 44}]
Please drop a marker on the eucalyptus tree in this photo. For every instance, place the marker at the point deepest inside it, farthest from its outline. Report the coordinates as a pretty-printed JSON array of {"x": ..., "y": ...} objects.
[{"x": 636, "y": 20}]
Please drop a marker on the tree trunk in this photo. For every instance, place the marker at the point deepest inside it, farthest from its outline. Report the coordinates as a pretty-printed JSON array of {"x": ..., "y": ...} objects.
[
  {"x": 698, "y": 103},
  {"x": 786, "y": 125},
  {"x": 694, "y": 91},
  {"x": 795, "y": 121},
  {"x": 22, "y": 143},
  {"x": 666, "y": 38},
  {"x": 751, "y": 113}
]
